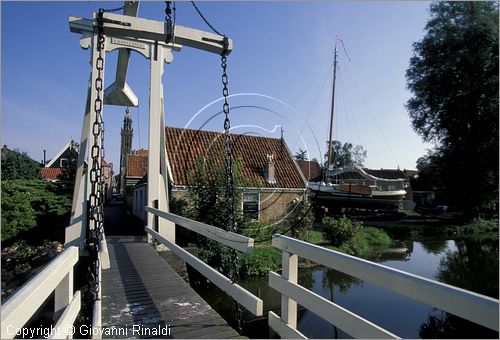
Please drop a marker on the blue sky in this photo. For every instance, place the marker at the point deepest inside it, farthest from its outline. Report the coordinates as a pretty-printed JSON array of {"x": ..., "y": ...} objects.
[{"x": 282, "y": 62}]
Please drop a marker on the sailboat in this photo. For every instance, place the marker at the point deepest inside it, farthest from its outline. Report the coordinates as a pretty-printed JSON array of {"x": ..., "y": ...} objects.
[{"x": 352, "y": 185}]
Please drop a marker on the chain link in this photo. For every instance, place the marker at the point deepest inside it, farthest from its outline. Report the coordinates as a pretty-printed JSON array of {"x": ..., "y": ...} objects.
[
  {"x": 97, "y": 194},
  {"x": 231, "y": 218}
]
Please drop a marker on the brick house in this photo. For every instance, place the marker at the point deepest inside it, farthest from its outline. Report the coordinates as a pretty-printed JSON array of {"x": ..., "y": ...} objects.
[{"x": 277, "y": 183}]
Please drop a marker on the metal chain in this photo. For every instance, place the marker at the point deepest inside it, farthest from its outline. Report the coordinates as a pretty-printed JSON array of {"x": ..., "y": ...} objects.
[
  {"x": 168, "y": 19},
  {"x": 205, "y": 19},
  {"x": 234, "y": 274},
  {"x": 96, "y": 197},
  {"x": 111, "y": 10}
]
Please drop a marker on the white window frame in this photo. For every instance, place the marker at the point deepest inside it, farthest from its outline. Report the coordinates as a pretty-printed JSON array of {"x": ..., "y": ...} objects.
[
  {"x": 258, "y": 203},
  {"x": 61, "y": 162}
]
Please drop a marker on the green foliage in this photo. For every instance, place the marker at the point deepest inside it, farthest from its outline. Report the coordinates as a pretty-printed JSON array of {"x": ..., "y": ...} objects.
[
  {"x": 301, "y": 219},
  {"x": 346, "y": 154},
  {"x": 340, "y": 231},
  {"x": 27, "y": 204},
  {"x": 351, "y": 237},
  {"x": 453, "y": 76},
  {"x": 208, "y": 203},
  {"x": 18, "y": 165},
  {"x": 367, "y": 241},
  {"x": 260, "y": 262}
]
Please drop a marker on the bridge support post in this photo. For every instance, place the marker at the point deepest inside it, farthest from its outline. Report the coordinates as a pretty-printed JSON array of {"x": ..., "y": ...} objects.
[
  {"x": 289, "y": 272},
  {"x": 63, "y": 295},
  {"x": 157, "y": 172}
]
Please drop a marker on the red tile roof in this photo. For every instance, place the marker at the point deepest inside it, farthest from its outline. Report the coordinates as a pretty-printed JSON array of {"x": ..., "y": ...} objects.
[
  {"x": 137, "y": 165},
  {"x": 184, "y": 146},
  {"x": 51, "y": 173},
  {"x": 310, "y": 170}
]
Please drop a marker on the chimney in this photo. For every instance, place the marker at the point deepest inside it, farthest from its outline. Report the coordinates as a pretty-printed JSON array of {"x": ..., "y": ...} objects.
[
  {"x": 269, "y": 170},
  {"x": 44, "y": 157}
]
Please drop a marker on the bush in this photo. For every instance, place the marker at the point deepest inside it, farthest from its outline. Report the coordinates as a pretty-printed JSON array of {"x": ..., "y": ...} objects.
[
  {"x": 340, "y": 231},
  {"x": 260, "y": 262},
  {"x": 367, "y": 241}
]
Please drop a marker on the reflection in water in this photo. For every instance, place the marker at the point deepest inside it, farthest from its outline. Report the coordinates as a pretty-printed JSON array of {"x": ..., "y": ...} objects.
[
  {"x": 472, "y": 265},
  {"x": 460, "y": 268},
  {"x": 433, "y": 246}
]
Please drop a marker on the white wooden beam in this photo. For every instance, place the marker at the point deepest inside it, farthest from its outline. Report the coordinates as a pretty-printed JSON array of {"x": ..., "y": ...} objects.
[
  {"x": 132, "y": 27},
  {"x": 283, "y": 329},
  {"x": 475, "y": 307},
  {"x": 67, "y": 319},
  {"x": 346, "y": 320},
  {"x": 22, "y": 305},
  {"x": 251, "y": 302},
  {"x": 230, "y": 239}
]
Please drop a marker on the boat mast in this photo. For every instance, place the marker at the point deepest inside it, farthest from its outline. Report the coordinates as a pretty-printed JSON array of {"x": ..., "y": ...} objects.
[{"x": 329, "y": 161}]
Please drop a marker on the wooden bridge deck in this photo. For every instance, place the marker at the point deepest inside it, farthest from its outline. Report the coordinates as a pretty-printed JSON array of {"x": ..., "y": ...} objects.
[{"x": 141, "y": 289}]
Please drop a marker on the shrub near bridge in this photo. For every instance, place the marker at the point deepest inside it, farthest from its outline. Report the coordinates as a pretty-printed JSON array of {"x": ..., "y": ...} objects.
[{"x": 340, "y": 231}]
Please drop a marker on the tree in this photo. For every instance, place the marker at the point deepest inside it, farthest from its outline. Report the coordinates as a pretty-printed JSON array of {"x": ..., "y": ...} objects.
[
  {"x": 344, "y": 155},
  {"x": 301, "y": 155},
  {"x": 453, "y": 76},
  {"x": 18, "y": 165}
]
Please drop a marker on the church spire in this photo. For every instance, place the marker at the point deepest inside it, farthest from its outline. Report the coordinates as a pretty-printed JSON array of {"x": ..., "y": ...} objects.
[{"x": 126, "y": 148}]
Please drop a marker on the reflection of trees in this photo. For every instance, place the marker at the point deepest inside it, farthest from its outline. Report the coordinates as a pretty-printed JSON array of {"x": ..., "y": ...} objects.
[
  {"x": 474, "y": 266},
  {"x": 333, "y": 278},
  {"x": 433, "y": 246},
  {"x": 449, "y": 326}
]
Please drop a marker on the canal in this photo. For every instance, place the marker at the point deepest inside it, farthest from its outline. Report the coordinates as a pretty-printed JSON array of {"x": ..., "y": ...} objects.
[{"x": 468, "y": 264}]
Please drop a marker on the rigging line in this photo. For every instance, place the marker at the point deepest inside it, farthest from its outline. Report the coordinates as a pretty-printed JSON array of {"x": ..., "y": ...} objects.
[
  {"x": 330, "y": 68},
  {"x": 350, "y": 113},
  {"x": 205, "y": 19},
  {"x": 346, "y": 108},
  {"x": 372, "y": 115}
]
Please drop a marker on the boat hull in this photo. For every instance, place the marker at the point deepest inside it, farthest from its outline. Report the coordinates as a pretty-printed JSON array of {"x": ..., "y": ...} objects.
[{"x": 378, "y": 199}]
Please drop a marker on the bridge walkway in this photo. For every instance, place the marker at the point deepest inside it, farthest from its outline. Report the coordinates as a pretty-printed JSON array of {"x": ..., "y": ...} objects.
[{"x": 141, "y": 289}]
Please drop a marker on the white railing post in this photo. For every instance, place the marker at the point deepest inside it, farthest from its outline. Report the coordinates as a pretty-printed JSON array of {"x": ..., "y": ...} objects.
[
  {"x": 63, "y": 294},
  {"x": 289, "y": 272}
]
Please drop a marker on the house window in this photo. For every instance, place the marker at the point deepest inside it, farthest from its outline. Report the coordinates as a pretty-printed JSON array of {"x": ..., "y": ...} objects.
[
  {"x": 251, "y": 205},
  {"x": 63, "y": 162}
]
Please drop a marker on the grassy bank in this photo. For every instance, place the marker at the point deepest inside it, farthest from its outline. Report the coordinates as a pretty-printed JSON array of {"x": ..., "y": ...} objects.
[{"x": 265, "y": 257}]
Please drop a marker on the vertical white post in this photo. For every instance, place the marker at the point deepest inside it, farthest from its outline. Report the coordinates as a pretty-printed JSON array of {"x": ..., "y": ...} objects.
[
  {"x": 157, "y": 177},
  {"x": 289, "y": 272},
  {"x": 63, "y": 294},
  {"x": 76, "y": 231}
]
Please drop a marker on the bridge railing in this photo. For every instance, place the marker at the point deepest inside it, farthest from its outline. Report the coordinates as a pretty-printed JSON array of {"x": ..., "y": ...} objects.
[
  {"x": 56, "y": 277},
  {"x": 477, "y": 308},
  {"x": 239, "y": 242}
]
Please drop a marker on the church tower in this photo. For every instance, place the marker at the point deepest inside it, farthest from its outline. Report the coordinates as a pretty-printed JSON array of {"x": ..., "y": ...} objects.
[{"x": 125, "y": 149}]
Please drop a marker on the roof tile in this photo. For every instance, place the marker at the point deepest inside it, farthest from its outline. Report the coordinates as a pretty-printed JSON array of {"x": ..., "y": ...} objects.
[{"x": 184, "y": 146}]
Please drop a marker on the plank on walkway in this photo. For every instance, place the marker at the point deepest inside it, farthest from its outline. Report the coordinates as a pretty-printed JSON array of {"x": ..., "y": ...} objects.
[{"x": 141, "y": 289}]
